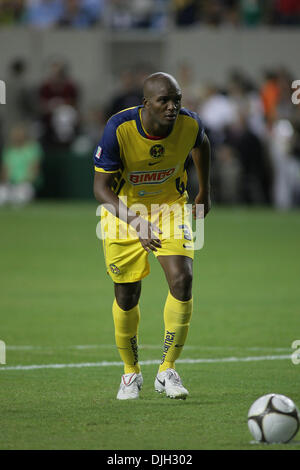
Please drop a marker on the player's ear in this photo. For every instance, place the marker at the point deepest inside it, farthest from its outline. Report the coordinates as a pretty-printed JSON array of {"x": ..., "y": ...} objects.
[{"x": 145, "y": 102}]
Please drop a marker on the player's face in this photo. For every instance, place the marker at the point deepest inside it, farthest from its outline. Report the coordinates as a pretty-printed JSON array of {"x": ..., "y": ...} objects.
[{"x": 164, "y": 105}]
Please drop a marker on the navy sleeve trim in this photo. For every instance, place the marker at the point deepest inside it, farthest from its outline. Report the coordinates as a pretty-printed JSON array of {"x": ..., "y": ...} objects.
[
  {"x": 107, "y": 153},
  {"x": 201, "y": 131}
]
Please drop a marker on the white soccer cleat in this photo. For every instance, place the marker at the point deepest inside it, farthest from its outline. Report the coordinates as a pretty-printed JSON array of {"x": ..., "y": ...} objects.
[
  {"x": 169, "y": 382},
  {"x": 130, "y": 386}
]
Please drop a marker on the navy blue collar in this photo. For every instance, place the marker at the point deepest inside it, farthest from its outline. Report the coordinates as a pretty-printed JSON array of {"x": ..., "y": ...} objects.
[
  {"x": 138, "y": 121},
  {"x": 140, "y": 127}
]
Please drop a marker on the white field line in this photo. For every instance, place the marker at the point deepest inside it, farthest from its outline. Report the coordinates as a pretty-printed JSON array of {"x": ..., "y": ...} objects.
[
  {"x": 150, "y": 362},
  {"x": 142, "y": 346}
]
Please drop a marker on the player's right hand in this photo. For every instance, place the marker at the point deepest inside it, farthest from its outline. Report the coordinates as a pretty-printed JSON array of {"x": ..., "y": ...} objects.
[{"x": 147, "y": 233}]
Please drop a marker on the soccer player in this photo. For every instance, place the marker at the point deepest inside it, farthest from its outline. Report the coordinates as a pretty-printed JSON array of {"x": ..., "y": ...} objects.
[{"x": 141, "y": 159}]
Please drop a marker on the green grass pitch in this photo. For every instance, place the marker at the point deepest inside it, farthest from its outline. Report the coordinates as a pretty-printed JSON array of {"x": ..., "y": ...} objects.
[{"x": 55, "y": 308}]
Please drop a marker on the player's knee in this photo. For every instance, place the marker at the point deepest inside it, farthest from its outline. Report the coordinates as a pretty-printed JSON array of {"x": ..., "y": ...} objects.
[
  {"x": 127, "y": 301},
  {"x": 127, "y": 295},
  {"x": 181, "y": 285}
]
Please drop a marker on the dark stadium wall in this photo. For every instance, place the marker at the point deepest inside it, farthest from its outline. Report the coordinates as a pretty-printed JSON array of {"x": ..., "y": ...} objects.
[{"x": 96, "y": 57}]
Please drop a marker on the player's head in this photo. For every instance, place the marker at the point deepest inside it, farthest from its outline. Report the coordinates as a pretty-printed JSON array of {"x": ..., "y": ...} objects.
[{"x": 162, "y": 98}]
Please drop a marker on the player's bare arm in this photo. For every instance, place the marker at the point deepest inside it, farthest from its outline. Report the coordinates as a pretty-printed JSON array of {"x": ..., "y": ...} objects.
[
  {"x": 146, "y": 231},
  {"x": 201, "y": 158}
]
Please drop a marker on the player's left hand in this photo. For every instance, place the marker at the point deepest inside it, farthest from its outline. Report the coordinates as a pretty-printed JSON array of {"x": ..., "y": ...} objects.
[
  {"x": 203, "y": 198},
  {"x": 148, "y": 234}
]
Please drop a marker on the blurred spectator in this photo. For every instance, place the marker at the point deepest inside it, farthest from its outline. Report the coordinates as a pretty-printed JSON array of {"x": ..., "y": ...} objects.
[
  {"x": 276, "y": 92},
  {"x": 187, "y": 12},
  {"x": 287, "y": 12},
  {"x": 227, "y": 175},
  {"x": 190, "y": 87},
  {"x": 152, "y": 14},
  {"x": 270, "y": 96},
  {"x": 232, "y": 12},
  {"x": 76, "y": 14},
  {"x": 129, "y": 94},
  {"x": 141, "y": 13},
  {"x": 242, "y": 170},
  {"x": 91, "y": 129},
  {"x": 93, "y": 124},
  {"x": 213, "y": 11},
  {"x": 247, "y": 100},
  {"x": 11, "y": 11},
  {"x": 218, "y": 12},
  {"x": 286, "y": 187},
  {"x": 255, "y": 168},
  {"x": 43, "y": 13},
  {"x": 20, "y": 172},
  {"x": 95, "y": 8},
  {"x": 251, "y": 12},
  {"x": 160, "y": 14},
  {"x": 126, "y": 14},
  {"x": 296, "y": 138},
  {"x": 58, "y": 97},
  {"x": 285, "y": 105},
  {"x": 119, "y": 14},
  {"x": 217, "y": 111},
  {"x": 20, "y": 95}
]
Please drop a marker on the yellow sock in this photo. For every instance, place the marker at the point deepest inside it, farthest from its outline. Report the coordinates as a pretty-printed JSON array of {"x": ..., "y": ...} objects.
[
  {"x": 126, "y": 328},
  {"x": 177, "y": 315}
]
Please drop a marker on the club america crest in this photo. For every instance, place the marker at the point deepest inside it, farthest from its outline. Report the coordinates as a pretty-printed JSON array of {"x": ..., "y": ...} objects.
[
  {"x": 157, "y": 151},
  {"x": 114, "y": 269}
]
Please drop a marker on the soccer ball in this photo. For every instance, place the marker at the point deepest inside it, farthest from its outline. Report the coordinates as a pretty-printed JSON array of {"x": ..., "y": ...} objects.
[{"x": 273, "y": 418}]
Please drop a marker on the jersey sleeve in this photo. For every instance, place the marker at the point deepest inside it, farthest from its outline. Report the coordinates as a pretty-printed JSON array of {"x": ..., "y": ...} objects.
[
  {"x": 107, "y": 154},
  {"x": 201, "y": 132},
  {"x": 200, "y": 127}
]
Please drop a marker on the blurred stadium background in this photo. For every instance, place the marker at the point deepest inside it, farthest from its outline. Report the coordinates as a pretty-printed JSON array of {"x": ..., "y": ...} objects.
[{"x": 69, "y": 64}]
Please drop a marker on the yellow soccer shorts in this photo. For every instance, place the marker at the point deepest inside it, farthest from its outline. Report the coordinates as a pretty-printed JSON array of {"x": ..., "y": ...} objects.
[{"x": 126, "y": 260}]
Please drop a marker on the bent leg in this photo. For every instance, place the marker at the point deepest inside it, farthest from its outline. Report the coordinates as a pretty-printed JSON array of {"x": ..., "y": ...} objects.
[
  {"x": 127, "y": 294},
  {"x": 126, "y": 315},
  {"x": 179, "y": 274},
  {"x": 178, "y": 307}
]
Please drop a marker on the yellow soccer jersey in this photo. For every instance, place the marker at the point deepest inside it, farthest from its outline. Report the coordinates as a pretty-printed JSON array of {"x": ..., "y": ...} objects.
[{"x": 148, "y": 170}]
